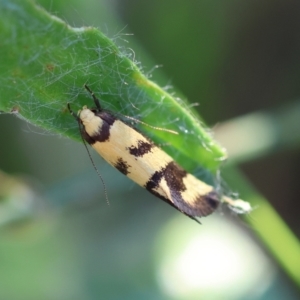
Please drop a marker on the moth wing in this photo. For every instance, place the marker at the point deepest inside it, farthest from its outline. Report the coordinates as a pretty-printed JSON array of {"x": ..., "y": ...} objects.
[{"x": 188, "y": 194}]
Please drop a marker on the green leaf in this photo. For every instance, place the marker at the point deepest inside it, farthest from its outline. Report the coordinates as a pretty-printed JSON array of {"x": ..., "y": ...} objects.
[{"x": 44, "y": 63}]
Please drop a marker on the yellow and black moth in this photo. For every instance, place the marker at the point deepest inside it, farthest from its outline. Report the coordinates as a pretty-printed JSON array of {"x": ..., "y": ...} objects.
[{"x": 137, "y": 157}]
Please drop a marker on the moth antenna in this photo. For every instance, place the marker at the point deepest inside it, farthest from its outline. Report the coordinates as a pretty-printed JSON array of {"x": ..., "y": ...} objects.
[
  {"x": 98, "y": 173},
  {"x": 154, "y": 127},
  {"x": 72, "y": 113},
  {"x": 91, "y": 159},
  {"x": 96, "y": 100}
]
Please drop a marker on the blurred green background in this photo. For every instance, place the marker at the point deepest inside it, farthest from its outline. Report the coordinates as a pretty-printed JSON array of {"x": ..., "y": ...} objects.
[{"x": 240, "y": 62}]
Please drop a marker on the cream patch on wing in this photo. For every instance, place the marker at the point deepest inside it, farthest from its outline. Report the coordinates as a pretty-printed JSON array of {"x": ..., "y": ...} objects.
[{"x": 122, "y": 139}]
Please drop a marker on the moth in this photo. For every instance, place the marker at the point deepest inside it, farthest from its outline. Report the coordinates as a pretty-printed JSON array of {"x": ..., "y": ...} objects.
[{"x": 137, "y": 157}]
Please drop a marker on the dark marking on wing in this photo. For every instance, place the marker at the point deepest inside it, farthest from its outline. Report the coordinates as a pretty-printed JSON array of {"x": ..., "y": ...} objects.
[
  {"x": 104, "y": 132},
  {"x": 86, "y": 137},
  {"x": 174, "y": 175},
  {"x": 203, "y": 205},
  {"x": 142, "y": 148},
  {"x": 172, "y": 204},
  {"x": 206, "y": 204},
  {"x": 212, "y": 199},
  {"x": 154, "y": 181},
  {"x": 122, "y": 166}
]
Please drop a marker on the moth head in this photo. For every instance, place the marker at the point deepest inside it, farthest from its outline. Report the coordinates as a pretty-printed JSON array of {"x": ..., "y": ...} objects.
[{"x": 86, "y": 115}]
